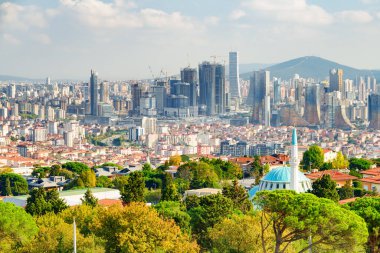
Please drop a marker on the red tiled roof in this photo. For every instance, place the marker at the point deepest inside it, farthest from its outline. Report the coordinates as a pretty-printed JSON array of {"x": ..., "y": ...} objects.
[
  {"x": 335, "y": 175},
  {"x": 110, "y": 202},
  {"x": 375, "y": 179},
  {"x": 374, "y": 172}
]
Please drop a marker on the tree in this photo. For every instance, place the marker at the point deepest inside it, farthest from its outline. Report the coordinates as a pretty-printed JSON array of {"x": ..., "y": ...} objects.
[
  {"x": 359, "y": 164},
  {"x": 239, "y": 233},
  {"x": 175, "y": 160},
  {"x": 211, "y": 210},
  {"x": 103, "y": 181},
  {"x": 8, "y": 189},
  {"x": 169, "y": 190},
  {"x": 176, "y": 211},
  {"x": 55, "y": 170},
  {"x": 17, "y": 227},
  {"x": 39, "y": 202},
  {"x": 76, "y": 167},
  {"x": 313, "y": 158},
  {"x": 134, "y": 189},
  {"x": 293, "y": 217},
  {"x": 203, "y": 175},
  {"x": 257, "y": 170},
  {"x": 18, "y": 184},
  {"x": 239, "y": 196},
  {"x": 55, "y": 235},
  {"x": 346, "y": 191},
  {"x": 340, "y": 162},
  {"x": 57, "y": 204},
  {"x": 324, "y": 187},
  {"x": 117, "y": 226},
  {"x": 89, "y": 199},
  {"x": 120, "y": 182},
  {"x": 369, "y": 209},
  {"x": 326, "y": 166}
]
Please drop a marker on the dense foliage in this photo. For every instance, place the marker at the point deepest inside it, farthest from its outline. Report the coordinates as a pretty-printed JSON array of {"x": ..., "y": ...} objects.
[
  {"x": 12, "y": 184},
  {"x": 324, "y": 187},
  {"x": 313, "y": 158}
]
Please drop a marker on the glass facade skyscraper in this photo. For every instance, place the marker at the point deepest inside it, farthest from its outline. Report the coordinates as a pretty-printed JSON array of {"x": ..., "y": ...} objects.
[{"x": 234, "y": 75}]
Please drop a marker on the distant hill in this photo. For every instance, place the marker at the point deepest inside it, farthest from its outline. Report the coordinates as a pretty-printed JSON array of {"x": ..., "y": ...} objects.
[
  {"x": 16, "y": 78},
  {"x": 312, "y": 66}
]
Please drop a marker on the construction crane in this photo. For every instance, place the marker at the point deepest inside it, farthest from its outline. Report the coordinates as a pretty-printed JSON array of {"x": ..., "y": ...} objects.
[{"x": 218, "y": 56}]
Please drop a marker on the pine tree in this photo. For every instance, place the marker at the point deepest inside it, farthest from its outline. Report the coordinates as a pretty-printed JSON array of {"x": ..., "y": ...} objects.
[
  {"x": 8, "y": 189},
  {"x": 324, "y": 187},
  {"x": 169, "y": 190},
  {"x": 238, "y": 195},
  {"x": 134, "y": 188},
  {"x": 89, "y": 199},
  {"x": 57, "y": 204}
]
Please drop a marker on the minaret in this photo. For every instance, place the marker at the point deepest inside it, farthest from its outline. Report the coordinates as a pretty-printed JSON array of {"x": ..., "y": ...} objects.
[{"x": 294, "y": 163}]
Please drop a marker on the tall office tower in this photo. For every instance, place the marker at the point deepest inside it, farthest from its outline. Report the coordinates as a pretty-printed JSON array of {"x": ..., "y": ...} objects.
[
  {"x": 258, "y": 90},
  {"x": 220, "y": 88},
  {"x": 189, "y": 75},
  {"x": 234, "y": 75},
  {"x": 68, "y": 137},
  {"x": 267, "y": 111},
  {"x": 136, "y": 95},
  {"x": 362, "y": 91},
  {"x": 104, "y": 92},
  {"x": 207, "y": 88},
  {"x": 48, "y": 80},
  {"x": 374, "y": 111},
  {"x": 276, "y": 91},
  {"x": 94, "y": 93},
  {"x": 11, "y": 91},
  {"x": 39, "y": 134},
  {"x": 160, "y": 93},
  {"x": 312, "y": 112},
  {"x": 336, "y": 80}
]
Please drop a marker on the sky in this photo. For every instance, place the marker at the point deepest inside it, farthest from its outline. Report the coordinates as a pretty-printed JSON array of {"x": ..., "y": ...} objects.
[{"x": 124, "y": 39}]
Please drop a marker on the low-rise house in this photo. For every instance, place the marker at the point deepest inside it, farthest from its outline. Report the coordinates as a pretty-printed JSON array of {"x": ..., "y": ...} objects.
[
  {"x": 340, "y": 178},
  {"x": 53, "y": 182}
]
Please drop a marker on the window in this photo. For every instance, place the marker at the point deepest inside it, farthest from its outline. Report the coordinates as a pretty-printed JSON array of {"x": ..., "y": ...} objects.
[{"x": 278, "y": 186}]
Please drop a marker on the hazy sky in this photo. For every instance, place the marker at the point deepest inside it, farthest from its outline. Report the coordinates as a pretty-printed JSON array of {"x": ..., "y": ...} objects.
[{"x": 121, "y": 39}]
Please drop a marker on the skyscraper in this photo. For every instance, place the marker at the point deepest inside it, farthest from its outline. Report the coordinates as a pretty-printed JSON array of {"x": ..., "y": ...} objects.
[
  {"x": 258, "y": 90},
  {"x": 207, "y": 88},
  {"x": 212, "y": 96},
  {"x": 94, "y": 93},
  {"x": 234, "y": 75},
  {"x": 336, "y": 80},
  {"x": 189, "y": 75},
  {"x": 136, "y": 95},
  {"x": 104, "y": 92},
  {"x": 312, "y": 112},
  {"x": 374, "y": 111},
  {"x": 220, "y": 89}
]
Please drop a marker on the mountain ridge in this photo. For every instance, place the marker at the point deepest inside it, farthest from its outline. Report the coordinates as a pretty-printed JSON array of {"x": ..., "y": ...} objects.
[{"x": 314, "y": 67}]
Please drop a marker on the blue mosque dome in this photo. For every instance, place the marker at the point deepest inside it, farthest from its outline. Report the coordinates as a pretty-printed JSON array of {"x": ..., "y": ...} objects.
[
  {"x": 282, "y": 177},
  {"x": 282, "y": 174}
]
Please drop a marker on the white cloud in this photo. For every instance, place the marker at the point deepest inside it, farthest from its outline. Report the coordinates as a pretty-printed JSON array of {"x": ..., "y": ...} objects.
[
  {"x": 292, "y": 11},
  {"x": 11, "y": 39},
  {"x": 212, "y": 20},
  {"x": 42, "y": 38},
  {"x": 120, "y": 14},
  {"x": 21, "y": 17},
  {"x": 237, "y": 14},
  {"x": 354, "y": 16}
]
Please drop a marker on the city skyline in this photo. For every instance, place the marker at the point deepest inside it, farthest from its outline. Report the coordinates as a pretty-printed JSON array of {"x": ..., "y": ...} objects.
[{"x": 121, "y": 39}]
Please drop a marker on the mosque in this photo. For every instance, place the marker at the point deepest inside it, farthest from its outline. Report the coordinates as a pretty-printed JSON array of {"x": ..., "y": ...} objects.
[{"x": 285, "y": 177}]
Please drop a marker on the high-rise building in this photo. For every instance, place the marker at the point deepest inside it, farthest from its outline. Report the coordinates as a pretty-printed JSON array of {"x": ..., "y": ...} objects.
[
  {"x": 362, "y": 91},
  {"x": 312, "y": 112},
  {"x": 276, "y": 91},
  {"x": 94, "y": 93},
  {"x": 207, "y": 88},
  {"x": 104, "y": 92},
  {"x": 374, "y": 111},
  {"x": 159, "y": 92},
  {"x": 189, "y": 75},
  {"x": 136, "y": 95},
  {"x": 234, "y": 75},
  {"x": 220, "y": 89},
  {"x": 68, "y": 137},
  {"x": 258, "y": 90},
  {"x": 11, "y": 91},
  {"x": 336, "y": 80},
  {"x": 39, "y": 134}
]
